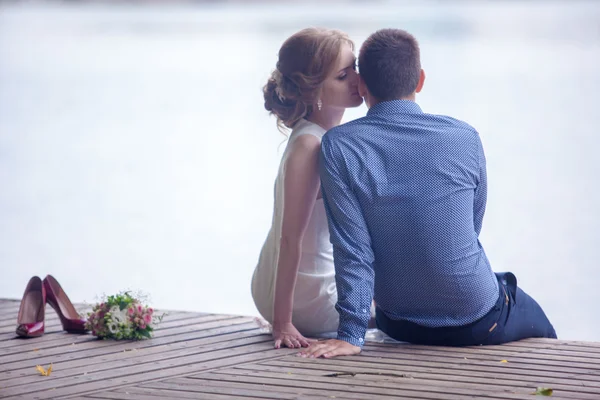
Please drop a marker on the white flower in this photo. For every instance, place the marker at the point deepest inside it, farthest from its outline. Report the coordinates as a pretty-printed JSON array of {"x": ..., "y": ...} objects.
[
  {"x": 113, "y": 328},
  {"x": 121, "y": 317}
]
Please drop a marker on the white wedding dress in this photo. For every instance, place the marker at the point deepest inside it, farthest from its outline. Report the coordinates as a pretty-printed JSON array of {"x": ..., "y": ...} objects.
[{"x": 315, "y": 292}]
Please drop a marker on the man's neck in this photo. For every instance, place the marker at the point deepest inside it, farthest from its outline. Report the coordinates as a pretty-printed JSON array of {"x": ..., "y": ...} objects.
[{"x": 371, "y": 101}]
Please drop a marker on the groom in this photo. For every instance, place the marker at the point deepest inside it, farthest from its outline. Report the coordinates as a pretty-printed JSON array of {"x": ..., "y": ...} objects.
[{"x": 405, "y": 194}]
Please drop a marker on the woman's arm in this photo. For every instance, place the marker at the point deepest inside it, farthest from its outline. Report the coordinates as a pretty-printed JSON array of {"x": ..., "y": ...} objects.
[{"x": 301, "y": 186}]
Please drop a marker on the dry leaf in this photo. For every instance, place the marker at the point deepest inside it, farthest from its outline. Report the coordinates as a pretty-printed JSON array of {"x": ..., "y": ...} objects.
[
  {"x": 504, "y": 361},
  {"x": 44, "y": 372},
  {"x": 543, "y": 392}
]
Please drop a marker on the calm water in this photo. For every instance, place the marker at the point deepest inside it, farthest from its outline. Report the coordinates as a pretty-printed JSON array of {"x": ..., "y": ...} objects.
[{"x": 135, "y": 151}]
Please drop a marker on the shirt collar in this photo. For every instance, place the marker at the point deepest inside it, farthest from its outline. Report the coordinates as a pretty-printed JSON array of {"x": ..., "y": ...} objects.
[{"x": 395, "y": 107}]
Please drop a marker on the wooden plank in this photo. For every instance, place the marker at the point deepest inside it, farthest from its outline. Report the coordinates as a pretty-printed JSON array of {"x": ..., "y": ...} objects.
[
  {"x": 383, "y": 383},
  {"x": 433, "y": 373},
  {"x": 9, "y": 305},
  {"x": 99, "y": 347},
  {"x": 133, "y": 358},
  {"x": 12, "y": 361},
  {"x": 523, "y": 363},
  {"x": 428, "y": 366},
  {"x": 253, "y": 388},
  {"x": 518, "y": 346},
  {"x": 133, "y": 393},
  {"x": 375, "y": 377},
  {"x": 162, "y": 326},
  {"x": 17, "y": 344},
  {"x": 52, "y": 316},
  {"x": 211, "y": 392},
  {"x": 504, "y": 349},
  {"x": 50, "y": 325},
  {"x": 211, "y": 336},
  {"x": 11, "y": 323},
  {"x": 221, "y": 350},
  {"x": 53, "y": 325},
  {"x": 148, "y": 372},
  {"x": 547, "y": 343},
  {"x": 489, "y": 352},
  {"x": 12, "y": 317},
  {"x": 333, "y": 387},
  {"x": 60, "y": 338}
]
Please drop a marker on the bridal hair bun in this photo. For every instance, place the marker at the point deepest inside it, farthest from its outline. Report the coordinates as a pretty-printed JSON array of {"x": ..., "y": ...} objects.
[
  {"x": 305, "y": 59},
  {"x": 284, "y": 99}
]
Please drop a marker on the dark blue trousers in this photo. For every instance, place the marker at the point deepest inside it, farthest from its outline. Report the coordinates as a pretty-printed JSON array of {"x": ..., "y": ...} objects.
[{"x": 515, "y": 316}]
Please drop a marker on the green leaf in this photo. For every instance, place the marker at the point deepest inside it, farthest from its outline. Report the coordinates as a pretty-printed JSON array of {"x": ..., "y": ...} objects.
[
  {"x": 541, "y": 391},
  {"x": 146, "y": 334}
]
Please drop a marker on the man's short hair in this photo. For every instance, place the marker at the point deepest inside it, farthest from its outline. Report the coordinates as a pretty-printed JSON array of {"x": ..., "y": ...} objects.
[{"x": 390, "y": 64}]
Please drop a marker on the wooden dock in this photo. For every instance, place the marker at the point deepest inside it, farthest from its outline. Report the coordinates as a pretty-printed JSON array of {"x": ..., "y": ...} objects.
[{"x": 206, "y": 356}]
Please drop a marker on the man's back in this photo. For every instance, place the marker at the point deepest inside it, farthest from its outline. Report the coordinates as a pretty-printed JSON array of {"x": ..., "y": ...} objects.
[
  {"x": 419, "y": 187},
  {"x": 405, "y": 195}
]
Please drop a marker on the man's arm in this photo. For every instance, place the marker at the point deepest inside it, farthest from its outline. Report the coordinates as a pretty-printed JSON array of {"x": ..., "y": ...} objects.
[
  {"x": 480, "y": 198},
  {"x": 352, "y": 252}
]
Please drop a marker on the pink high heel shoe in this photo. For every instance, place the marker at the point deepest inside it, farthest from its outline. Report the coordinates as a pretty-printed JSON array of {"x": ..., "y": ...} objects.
[
  {"x": 31, "y": 315},
  {"x": 57, "y": 298}
]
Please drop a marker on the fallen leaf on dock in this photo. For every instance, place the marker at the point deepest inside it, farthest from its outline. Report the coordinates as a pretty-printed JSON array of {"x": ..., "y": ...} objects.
[
  {"x": 504, "y": 361},
  {"x": 543, "y": 392},
  {"x": 44, "y": 372}
]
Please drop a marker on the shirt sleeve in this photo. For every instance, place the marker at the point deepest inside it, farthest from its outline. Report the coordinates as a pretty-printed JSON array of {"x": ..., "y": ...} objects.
[
  {"x": 480, "y": 199},
  {"x": 352, "y": 252}
]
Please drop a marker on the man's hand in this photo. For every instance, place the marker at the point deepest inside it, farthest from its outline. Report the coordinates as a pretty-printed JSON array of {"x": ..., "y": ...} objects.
[{"x": 330, "y": 348}]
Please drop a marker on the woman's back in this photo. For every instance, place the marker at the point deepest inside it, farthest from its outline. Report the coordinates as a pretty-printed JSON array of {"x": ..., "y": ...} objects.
[{"x": 315, "y": 293}]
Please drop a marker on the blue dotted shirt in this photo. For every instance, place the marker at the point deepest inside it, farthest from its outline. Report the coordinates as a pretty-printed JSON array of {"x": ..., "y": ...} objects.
[{"x": 405, "y": 195}]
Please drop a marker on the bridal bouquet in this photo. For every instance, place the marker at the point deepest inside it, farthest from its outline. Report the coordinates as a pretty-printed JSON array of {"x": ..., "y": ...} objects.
[{"x": 122, "y": 316}]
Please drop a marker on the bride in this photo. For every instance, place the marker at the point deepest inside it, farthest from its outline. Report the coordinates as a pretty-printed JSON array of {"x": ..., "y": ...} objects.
[{"x": 293, "y": 285}]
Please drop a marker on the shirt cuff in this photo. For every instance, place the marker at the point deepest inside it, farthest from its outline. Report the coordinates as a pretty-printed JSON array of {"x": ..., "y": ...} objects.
[{"x": 359, "y": 342}]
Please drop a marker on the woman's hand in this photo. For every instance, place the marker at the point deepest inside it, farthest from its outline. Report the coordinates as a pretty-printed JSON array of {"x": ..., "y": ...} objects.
[{"x": 289, "y": 336}]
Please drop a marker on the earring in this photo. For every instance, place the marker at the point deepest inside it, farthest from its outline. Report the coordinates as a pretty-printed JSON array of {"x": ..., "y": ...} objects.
[{"x": 319, "y": 104}]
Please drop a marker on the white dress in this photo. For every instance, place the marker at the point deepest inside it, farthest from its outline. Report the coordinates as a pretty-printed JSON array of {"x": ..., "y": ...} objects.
[{"x": 315, "y": 293}]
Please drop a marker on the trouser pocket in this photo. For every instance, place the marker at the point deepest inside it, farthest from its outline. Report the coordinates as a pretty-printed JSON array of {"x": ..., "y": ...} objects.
[{"x": 509, "y": 281}]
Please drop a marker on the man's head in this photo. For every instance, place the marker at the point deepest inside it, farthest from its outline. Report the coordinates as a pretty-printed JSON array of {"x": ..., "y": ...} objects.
[{"x": 390, "y": 67}]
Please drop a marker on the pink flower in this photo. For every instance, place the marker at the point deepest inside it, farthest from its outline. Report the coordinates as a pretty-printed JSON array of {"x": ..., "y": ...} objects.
[
  {"x": 150, "y": 310},
  {"x": 130, "y": 311},
  {"x": 140, "y": 308},
  {"x": 142, "y": 325},
  {"x": 147, "y": 318}
]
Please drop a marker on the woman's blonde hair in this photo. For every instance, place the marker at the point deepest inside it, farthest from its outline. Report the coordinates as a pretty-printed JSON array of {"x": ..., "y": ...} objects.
[{"x": 305, "y": 59}]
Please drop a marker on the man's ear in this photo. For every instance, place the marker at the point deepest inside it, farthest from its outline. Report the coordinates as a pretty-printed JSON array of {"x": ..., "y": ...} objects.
[{"x": 421, "y": 82}]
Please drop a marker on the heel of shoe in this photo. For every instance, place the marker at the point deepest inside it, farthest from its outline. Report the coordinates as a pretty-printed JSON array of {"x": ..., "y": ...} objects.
[
  {"x": 30, "y": 320},
  {"x": 57, "y": 299}
]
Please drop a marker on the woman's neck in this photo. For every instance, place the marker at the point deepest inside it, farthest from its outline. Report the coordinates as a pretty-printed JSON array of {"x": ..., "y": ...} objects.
[{"x": 327, "y": 119}]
